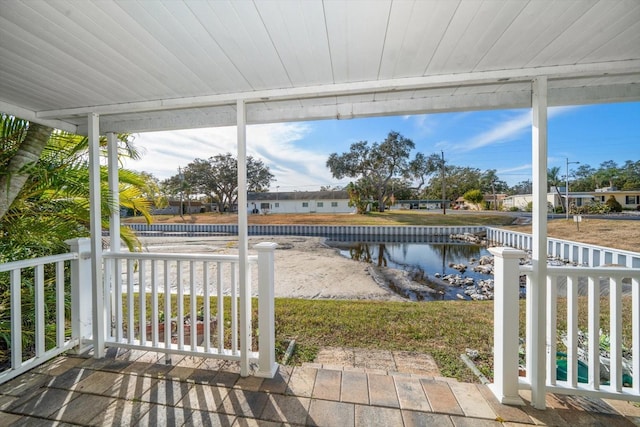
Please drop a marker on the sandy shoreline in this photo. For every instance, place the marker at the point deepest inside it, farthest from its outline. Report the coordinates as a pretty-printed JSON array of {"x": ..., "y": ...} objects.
[{"x": 304, "y": 266}]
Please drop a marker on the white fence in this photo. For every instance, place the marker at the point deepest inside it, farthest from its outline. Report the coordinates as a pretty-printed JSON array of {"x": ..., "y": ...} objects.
[
  {"x": 31, "y": 282},
  {"x": 619, "y": 382},
  {"x": 191, "y": 304},
  {"x": 579, "y": 253}
]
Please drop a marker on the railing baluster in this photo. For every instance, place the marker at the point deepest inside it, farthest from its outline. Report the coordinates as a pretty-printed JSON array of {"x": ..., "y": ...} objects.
[
  {"x": 167, "y": 305},
  {"x": 180, "y": 306},
  {"x": 60, "y": 318},
  {"x": 552, "y": 329},
  {"x": 220, "y": 308},
  {"x": 635, "y": 341},
  {"x": 16, "y": 318},
  {"x": 615, "y": 342},
  {"x": 207, "y": 307},
  {"x": 117, "y": 284},
  {"x": 39, "y": 289},
  {"x": 234, "y": 310},
  {"x": 572, "y": 331},
  {"x": 108, "y": 296},
  {"x": 154, "y": 303},
  {"x": 142, "y": 301},
  {"x": 194, "y": 305},
  {"x": 593, "y": 284},
  {"x": 130, "y": 300},
  {"x": 529, "y": 347}
]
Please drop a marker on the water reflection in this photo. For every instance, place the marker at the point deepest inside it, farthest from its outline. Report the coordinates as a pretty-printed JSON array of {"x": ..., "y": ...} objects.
[{"x": 422, "y": 260}]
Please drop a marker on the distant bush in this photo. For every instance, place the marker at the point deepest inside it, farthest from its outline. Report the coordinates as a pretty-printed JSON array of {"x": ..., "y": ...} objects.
[
  {"x": 614, "y": 205},
  {"x": 594, "y": 207},
  {"x": 514, "y": 209}
]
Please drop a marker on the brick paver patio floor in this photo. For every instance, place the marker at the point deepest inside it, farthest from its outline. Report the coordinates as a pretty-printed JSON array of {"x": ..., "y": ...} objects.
[{"x": 137, "y": 388}]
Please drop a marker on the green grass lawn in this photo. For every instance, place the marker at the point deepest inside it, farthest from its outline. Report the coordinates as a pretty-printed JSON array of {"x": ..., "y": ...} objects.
[{"x": 444, "y": 329}]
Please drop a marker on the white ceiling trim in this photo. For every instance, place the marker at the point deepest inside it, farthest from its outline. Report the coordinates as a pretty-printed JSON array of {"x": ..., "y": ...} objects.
[
  {"x": 346, "y": 108},
  {"x": 403, "y": 84},
  {"x": 26, "y": 114}
]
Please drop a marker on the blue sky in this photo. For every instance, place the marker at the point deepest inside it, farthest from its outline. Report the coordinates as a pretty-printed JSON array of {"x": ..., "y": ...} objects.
[{"x": 297, "y": 152}]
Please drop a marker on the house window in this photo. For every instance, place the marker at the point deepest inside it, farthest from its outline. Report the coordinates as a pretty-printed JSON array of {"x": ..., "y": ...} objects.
[
  {"x": 631, "y": 200},
  {"x": 305, "y": 204},
  {"x": 277, "y": 205},
  {"x": 320, "y": 204},
  {"x": 264, "y": 206},
  {"x": 334, "y": 204}
]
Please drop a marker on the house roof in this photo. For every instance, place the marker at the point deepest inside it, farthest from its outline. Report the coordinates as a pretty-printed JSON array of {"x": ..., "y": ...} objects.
[
  {"x": 145, "y": 65},
  {"x": 299, "y": 195}
]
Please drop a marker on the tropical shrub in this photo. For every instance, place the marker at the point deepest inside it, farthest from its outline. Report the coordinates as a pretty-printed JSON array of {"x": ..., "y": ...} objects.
[
  {"x": 52, "y": 206},
  {"x": 474, "y": 196},
  {"x": 613, "y": 204}
]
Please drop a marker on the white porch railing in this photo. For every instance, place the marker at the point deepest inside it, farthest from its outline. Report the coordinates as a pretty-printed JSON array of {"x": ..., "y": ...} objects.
[
  {"x": 139, "y": 281},
  {"x": 579, "y": 253},
  {"x": 190, "y": 304},
  {"x": 31, "y": 283},
  {"x": 596, "y": 279}
]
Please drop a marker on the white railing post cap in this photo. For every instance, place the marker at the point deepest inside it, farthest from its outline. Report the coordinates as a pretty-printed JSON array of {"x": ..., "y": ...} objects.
[
  {"x": 265, "y": 246},
  {"x": 505, "y": 252}
]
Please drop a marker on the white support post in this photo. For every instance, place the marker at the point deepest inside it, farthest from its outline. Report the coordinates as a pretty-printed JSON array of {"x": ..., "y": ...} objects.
[
  {"x": 111, "y": 269},
  {"x": 243, "y": 246},
  {"x": 95, "y": 223},
  {"x": 505, "y": 320},
  {"x": 536, "y": 313},
  {"x": 114, "y": 220},
  {"x": 81, "y": 293},
  {"x": 267, "y": 366}
]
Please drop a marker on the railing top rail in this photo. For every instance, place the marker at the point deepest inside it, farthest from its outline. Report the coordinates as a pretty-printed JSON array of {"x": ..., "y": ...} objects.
[
  {"x": 27, "y": 263},
  {"x": 175, "y": 256},
  {"x": 619, "y": 272},
  {"x": 508, "y": 231},
  {"x": 571, "y": 242}
]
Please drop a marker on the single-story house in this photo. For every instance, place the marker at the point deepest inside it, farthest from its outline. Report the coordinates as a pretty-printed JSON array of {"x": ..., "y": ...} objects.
[
  {"x": 489, "y": 200},
  {"x": 187, "y": 208},
  {"x": 299, "y": 202},
  {"x": 418, "y": 204},
  {"x": 628, "y": 199}
]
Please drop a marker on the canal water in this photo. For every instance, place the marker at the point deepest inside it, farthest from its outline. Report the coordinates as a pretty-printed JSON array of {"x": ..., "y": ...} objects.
[{"x": 423, "y": 260}]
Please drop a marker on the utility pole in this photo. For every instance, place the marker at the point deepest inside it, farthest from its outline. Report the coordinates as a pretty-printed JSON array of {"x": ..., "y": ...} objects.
[
  {"x": 181, "y": 177},
  {"x": 566, "y": 188},
  {"x": 444, "y": 203}
]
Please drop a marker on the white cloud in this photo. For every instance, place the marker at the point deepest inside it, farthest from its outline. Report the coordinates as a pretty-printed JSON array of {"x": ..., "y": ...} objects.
[
  {"x": 515, "y": 169},
  {"x": 504, "y": 131},
  {"x": 276, "y": 144}
]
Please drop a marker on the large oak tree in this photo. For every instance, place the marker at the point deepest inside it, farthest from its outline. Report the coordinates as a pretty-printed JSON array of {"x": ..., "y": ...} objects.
[{"x": 373, "y": 166}]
